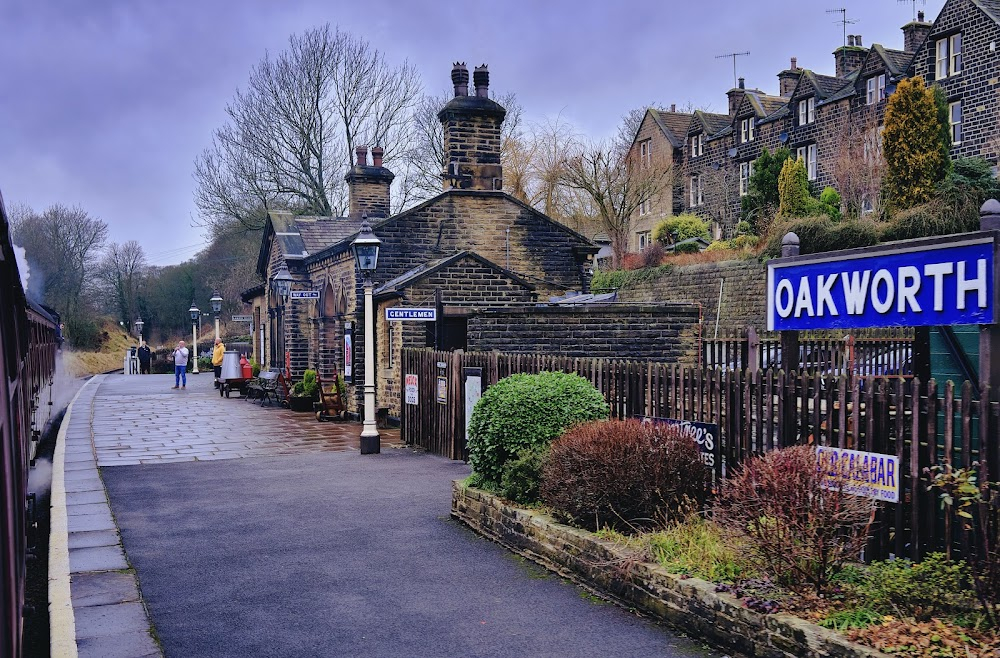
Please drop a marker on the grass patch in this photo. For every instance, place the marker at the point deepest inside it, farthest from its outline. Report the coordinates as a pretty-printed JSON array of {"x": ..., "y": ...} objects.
[{"x": 699, "y": 548}]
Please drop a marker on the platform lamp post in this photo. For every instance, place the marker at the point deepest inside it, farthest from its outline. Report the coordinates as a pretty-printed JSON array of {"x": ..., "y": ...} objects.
[
  {"x": 138, "y": 326},
  {"x": 282, "y": 286},
  {"x": 366, "y": 247},
  {"x": 195, "y": 314},
  {"x": 216, "y": 309}
]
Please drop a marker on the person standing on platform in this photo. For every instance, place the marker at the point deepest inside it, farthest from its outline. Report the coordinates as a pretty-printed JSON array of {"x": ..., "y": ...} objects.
[
  {"x": 145, "y": 356},
  {"x": 217, "y": 353},
  {"x": 180, "y": 365}
]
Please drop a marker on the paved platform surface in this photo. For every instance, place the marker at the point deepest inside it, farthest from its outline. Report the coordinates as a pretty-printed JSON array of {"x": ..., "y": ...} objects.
[{"x": 296, "y": 546}]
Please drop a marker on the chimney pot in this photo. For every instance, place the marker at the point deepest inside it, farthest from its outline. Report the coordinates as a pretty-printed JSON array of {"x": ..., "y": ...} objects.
[
  {"x": 742, "y": 84},
  {"x": 850, "y": 39},
  {"x": 481, "y": 80},
  {"x": 795, "y": 63},
  {"x": 673, "y": 107},
  {"x": 920, "y": 16},
  {"x": 377, "y": 152},
  {"x": 460, "y": 78},
  {"x": 857, "y": 40},
  {"x": 362, "y": 153}
]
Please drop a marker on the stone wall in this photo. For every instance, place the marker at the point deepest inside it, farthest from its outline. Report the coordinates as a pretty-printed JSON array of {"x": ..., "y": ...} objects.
[
  {"x": 690, "y": 604},
  {"x": 744, "y": 295},
  {"x": 667, "y": 333}
]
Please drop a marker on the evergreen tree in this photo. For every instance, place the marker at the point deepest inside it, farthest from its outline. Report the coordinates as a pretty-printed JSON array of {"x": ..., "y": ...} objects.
[
  {"x": 793, "y": 190},
  {"x": 915, "y": 143},
  {"x": 761, "y": 200}
]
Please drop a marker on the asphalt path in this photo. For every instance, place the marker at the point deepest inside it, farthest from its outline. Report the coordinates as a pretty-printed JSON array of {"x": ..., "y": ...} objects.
[{"x": 338, "y": 554}]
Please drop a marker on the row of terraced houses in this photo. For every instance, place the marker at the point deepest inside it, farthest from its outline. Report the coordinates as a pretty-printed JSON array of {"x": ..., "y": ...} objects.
[{"x": 811, "y": 114}]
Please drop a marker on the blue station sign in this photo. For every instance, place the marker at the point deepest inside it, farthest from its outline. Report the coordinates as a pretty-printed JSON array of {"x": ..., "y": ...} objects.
[
  {"x": 418, "y": 314},
  {"x": 921, "y": 283}
]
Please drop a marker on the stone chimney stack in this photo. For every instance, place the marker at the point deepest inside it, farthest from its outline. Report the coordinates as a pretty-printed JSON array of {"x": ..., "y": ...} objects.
[
  {"x": 736, "y": 95},
  {"x": 849, "y": 58},
  {"x": 368, "y": 186},
  {"x": 471, "y": 127},
  {"x": 915, "y": 33},
  {"x": 788, "y": 78}
]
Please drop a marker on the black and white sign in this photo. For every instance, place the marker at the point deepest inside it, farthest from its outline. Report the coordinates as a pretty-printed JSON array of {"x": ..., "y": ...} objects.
[
  {"x": 242, "y": 318},
  {"x": 411, "y": 314},
  {"x": 304, "y": 294},
  {"x": 704, "y": 434}
]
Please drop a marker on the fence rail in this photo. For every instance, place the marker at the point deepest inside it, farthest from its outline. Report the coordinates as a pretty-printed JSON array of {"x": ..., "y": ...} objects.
[{"x": 921, "y": 423}]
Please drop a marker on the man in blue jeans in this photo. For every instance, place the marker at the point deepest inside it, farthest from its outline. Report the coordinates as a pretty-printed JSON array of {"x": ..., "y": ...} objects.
[{"x": 180, "y": 365}]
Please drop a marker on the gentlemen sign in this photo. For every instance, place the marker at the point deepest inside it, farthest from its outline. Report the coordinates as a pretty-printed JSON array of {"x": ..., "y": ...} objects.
[
  {"x": 418, "y": 314},
  {"x": 925, "y": 283}
]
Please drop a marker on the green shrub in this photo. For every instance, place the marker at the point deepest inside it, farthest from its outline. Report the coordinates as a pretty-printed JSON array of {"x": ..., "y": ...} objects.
[
  {"x": 307, "y": 388},
  {"x": 819, "y": 234},
  {"x": 744, "y": 242},
  {"x": 830, "y": 197},
  {"x": 205, "y": 364},
  {"x": 624, "y": 474},
  {"x": 845, "y": 620},
  {"x": 685, "y": 226},
  {"x": 744, "y": 228},
  {"x": 255, "y": 367},
  {"x": 687, "y": 248},
  {"x": 793, "y": 190},
  {"x": 606, "y": 281},
  {"x": 930, "y": 588},
  {"x": 527, "y": 411},
  {"x": 718, "y": 245},
  {"x": 83, "y": 333},
  {"x": 522, "y": 476}
]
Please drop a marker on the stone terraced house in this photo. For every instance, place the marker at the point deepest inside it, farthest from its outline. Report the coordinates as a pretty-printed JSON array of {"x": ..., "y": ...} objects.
[
  {"x": 468, "y": 248},
  {"x": 816, "y": 115}
]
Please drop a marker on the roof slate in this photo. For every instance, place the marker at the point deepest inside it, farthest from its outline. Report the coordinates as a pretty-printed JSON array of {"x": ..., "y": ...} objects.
[
  {"x": 318, "y": 233},
  {"x": 991, "y": 7},
  {"x": 674, "y": 126}
]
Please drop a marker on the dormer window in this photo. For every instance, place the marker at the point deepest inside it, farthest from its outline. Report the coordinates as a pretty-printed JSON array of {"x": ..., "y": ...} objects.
[
  {"x": 807, "y": 110},
  {"x": 746, "y": 130},
  {"x": 876, "y": 89},
  {"x": 949, "y": 56},
  {"x": 697, "y": 145}
]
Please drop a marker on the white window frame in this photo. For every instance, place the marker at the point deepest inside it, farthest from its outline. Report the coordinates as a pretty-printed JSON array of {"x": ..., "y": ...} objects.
[
  {"x": 643, "y": 239},
  {"x": 948, "y": 56},
  {"x": 697, "y": 145},
  {"x": 746, "y": 171},
  {"x": 955, "y": 126},
  {"x": 807, "y": 111},
  {"x": 746, "y": 130},
  {"x": 645, "y": 206},
  {"x": 955, "y": 54},
  {"x": 645, "y": 155},
  {"x": 807, "y": 154},
  {"x": 876, "y": 89},
  {"x": 697, "y": 194}
]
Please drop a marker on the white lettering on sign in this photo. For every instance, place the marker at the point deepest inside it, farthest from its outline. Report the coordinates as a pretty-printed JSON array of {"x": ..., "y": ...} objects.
[
  {"x": 411, "y": 389},
  {"x": 242, "y": 318},
  {"x": 886, "y": 289},
  {"x": 417, "y": 314},
  {"x": 304, "y": 294}
]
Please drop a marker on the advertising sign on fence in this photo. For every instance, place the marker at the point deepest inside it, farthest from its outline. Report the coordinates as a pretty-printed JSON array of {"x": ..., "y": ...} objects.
[
  {"x": 473, "y": 392},
  {"x": 866, "y": 474},
  {"x": 411, "y": 389},
  {"x": 922, "y": 283},
  {"x": 442, "y": 390},
  {"x": 706, "y": 435}
]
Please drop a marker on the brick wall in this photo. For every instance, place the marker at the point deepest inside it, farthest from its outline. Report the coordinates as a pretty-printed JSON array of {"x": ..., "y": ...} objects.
[
  {"x": 665, "y": 333},
  {"x": 744, "y": 295}
]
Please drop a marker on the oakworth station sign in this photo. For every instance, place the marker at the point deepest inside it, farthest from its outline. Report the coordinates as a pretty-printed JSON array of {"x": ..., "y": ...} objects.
[{"x": 946, "y": 280}]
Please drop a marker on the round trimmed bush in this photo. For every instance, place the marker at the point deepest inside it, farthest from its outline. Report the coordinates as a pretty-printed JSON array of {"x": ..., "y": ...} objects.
[
  {"x": 624, "y": 474},
  {"x": 527, "y": 411}
]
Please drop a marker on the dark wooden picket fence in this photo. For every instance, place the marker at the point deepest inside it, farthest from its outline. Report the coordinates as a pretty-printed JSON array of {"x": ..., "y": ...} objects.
[{"x": 921, "y": 423}]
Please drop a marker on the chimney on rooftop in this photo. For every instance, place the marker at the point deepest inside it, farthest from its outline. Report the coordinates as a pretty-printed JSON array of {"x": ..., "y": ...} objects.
[
  {"x": 915, "y": 33},
  {"x": 362, "y": 153},
  {"x": 673, "y": 107},
  {"x": 368, "y": 186},
  {"x": 849, "y": 58},
  {"x": 460, "y": 78},
  {"x": 481, "y": 79},
  {"x": 471, "y": 126},
  {"x": 736, "y": 95},
  {"x": 788, "y": 78}
]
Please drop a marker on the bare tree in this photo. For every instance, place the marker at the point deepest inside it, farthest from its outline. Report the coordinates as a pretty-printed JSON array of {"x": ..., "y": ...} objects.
[
  {"x": 122, "y": 271},
  {"x": 61, "y": 246},
  {"x": 616, "y": 184},
  {"x": 859, "y": 165},
  {"x": 291, "y": 133}
]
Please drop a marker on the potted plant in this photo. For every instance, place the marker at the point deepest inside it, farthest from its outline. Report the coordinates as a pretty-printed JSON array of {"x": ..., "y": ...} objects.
[{"x": 304, "y": 393}]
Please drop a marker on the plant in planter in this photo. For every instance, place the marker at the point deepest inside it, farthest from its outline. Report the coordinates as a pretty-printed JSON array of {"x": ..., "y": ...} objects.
[{"x": 304, "y": 393}]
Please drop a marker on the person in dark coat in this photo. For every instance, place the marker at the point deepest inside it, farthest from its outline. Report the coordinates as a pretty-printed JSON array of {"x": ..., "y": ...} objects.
[{"x": 144, "y": 358}]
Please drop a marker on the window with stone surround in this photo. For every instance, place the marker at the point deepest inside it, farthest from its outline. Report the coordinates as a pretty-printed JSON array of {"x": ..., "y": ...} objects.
[
  {"x": 807, "y": 110},
  {"x": 697, "y": 193},
  {"x": 645, "y": 152},
  {"x": 876, "y": 89},
  {"x": 697, "y": 145},
  {"x": 746, "y": 171},
  {"x": 645, "y": 207},
  {"x": 948, "y": 58},
  {"x": 955, "y": 121},
  {"x": 644, "y": 239},
  {"x": 746, "y": 130},
  {"x": 808, "y": 155}
]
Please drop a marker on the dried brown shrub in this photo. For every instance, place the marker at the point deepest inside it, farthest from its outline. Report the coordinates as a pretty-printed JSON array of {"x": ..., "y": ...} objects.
[{"x": 798, "y": 530}]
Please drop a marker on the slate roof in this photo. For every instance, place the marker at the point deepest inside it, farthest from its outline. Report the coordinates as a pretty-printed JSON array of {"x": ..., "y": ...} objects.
[
  {"x": 990, "y": 7},
  {"x": 403, "y": 281},
  {"x": 586, "y": 298},
  {"x": 674, "y": 125},
  {"x": 827, "y": 85},
  {"x": 299, "y": 237},
  {"x": 897, "y": 61},
  {"x": 764, "y": 104},
  {"x": 709, "y": 123},
  {"x": 318, "y": 233}
]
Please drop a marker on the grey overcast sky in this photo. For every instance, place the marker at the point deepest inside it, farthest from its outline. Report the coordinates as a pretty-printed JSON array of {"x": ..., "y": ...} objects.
[{"x": 106, "y": 103}]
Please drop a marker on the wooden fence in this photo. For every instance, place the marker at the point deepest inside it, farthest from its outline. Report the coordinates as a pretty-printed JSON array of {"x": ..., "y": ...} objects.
[{"x": 922, "y": 424}]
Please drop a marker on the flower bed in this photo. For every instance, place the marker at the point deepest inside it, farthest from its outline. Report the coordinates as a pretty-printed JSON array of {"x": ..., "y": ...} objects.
[{"x": 688, "y": 603}]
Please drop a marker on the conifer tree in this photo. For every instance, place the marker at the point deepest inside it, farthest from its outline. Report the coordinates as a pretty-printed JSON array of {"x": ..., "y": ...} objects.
[
  {"x": 793, "y": 190},
  {"x": 914, "y": 143}
]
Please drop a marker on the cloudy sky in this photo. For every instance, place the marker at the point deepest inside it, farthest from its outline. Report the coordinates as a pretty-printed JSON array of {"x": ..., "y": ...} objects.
[{"x": 106, "y": 103}]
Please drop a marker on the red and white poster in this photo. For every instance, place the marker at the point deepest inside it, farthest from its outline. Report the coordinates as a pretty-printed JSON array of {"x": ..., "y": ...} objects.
[{"x": 411, "y": 389}]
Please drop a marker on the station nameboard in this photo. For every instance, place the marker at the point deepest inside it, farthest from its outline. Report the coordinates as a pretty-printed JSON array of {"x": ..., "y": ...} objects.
[
  {"x": 418, "y": 314},
  {"x": 242, "y": 318},
  {"x": 920, "y": 283}
]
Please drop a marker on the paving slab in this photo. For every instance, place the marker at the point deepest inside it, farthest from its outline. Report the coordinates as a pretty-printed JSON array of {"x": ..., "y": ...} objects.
[
  {"x": 106, "y": 588},
  {"x": 127, "y": 645},
  {"x": 96, "y": 558}
]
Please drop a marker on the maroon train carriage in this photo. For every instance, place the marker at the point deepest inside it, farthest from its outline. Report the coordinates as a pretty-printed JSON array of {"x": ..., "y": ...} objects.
[{"x": 29, "y": 341}]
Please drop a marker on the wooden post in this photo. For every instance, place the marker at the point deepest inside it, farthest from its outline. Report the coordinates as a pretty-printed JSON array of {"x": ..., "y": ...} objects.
[{"x": 989, "y": 334}]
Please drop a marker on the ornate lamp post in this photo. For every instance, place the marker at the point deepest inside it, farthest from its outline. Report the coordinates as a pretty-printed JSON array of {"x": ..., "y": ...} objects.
[
  {"x": 282, "y": 286},
  {"x": 366, "y": 247},
  {"x": 138, "y": 326},
  {"x": 216, "y": 308},
  {"x": 195, "y": 314}
]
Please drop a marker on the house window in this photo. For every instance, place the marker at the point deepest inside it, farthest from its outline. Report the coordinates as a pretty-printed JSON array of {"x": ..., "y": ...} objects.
[
  {"x": 807, "y": 111},
  {"x": 746, "y": 130},
  {"x": 873, "y": 144},
  {"x": 876, "y": 89},
  {"x": 955, "y": 120},
  {"x": 949, "y": 56},
  {"x": 645, "y": 155},
  {"x": 697, "y": 194},
  {"x": 808, "y": 155},
  {"x": 746, "y": 171},
  {"x": 697, "y": 145},
  {"x": 644, "y": 239},
  {"x": 645, "y": 206}
]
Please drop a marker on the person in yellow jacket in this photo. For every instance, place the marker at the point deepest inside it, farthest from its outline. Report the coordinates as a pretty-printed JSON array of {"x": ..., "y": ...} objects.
[{"x": 217, "y": 353}]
